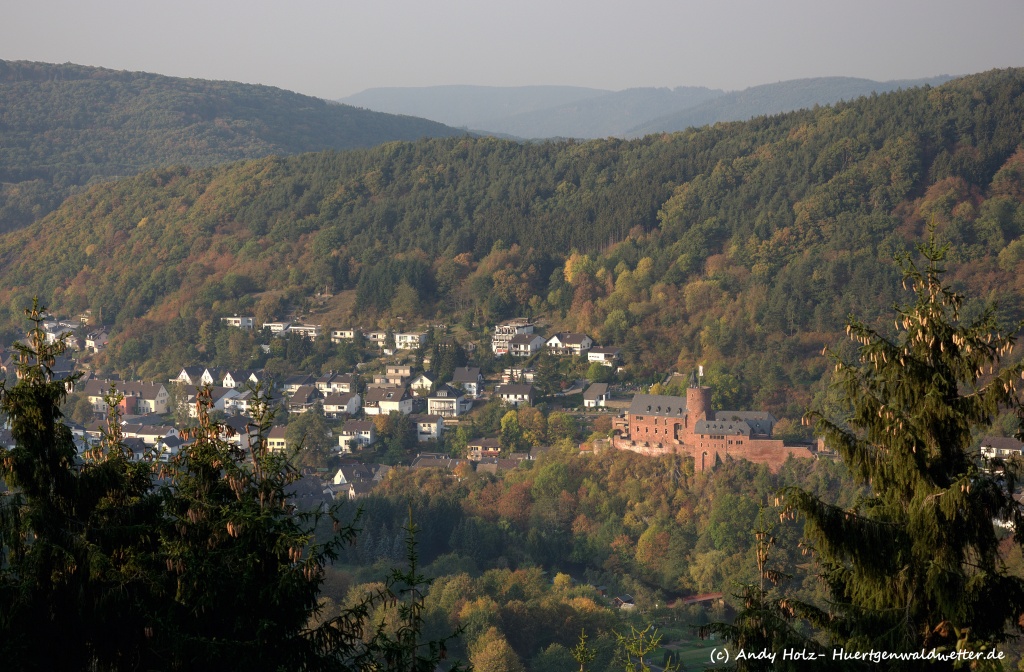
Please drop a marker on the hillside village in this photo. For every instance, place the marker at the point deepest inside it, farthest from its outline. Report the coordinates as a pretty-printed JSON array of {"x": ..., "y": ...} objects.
[{"x": 389, "y": 409}]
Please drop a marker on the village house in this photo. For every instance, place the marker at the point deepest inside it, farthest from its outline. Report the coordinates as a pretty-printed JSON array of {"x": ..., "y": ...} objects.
[
  {"x": 240, "y": 321},
  {"x": 483, "y": 448},
  {"x": 1001, "y": 447},
  {"x": 239, "y": 379},
  {"x": 221, "y": 399},
  {"x": 448, "y": 402},
  {"x": 139, "y": 398},
  {"x": 337, "y": 383},
  {"x": 608, "y": 356},
  {"x": 428, "y": 427},
  {"x": 96, "y": 340},
  {"x": 358, "y": 432},
  {"x": 276, "y": 441},
  {"x": 303, "y": 399},
  {"x": 292, "y": 383},
  {"x": 339, "y": 335},
  {"x": 515, "y": 394},
  {"x": 277, "y": 328},
  {"x": 423, "y": 383},
  {"x": 310, "y": 331},
  {"x": 384, "y": 400},
  {"x": 378, "y": 337},
  {"x": 469, "y": 379},
  {"x": 150, "y": 434},
  {"x": 568, "y": 343},
  {"x": 525, "y": 345},
  {"x": 596, "y": 395},
  {"x": 395, "y": 375},
  {"x": 506, "y": 331},
  {"x": 518, "y": 374},
  {"x": 339, "y": 404},
  {"x": 410, "y": 340}
]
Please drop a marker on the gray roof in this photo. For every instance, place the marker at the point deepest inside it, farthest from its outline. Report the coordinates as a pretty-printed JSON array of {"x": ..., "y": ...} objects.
[
  {"x": 514, "y": 389},
  {"x": 1001, "y": 443},
  {"x": 738, "y": 428},
  {"x": 466, "y": 374},
  {"x": 658, "y": 404},
  {"x": 595, "y": 391},
  {"x": 760, "y": 422}
]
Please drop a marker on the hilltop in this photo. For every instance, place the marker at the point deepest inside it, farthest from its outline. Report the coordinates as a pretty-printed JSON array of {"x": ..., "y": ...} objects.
[
  {"x": 744, "y": 245},
  {"x": 63, "y": 126},
  {"x": 575, "y": 112}
]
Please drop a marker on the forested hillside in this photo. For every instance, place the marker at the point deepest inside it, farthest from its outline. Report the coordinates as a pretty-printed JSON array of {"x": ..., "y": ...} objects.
[
  {"x": 66, "y": 125},
  {"x": 744, "y": 246}
]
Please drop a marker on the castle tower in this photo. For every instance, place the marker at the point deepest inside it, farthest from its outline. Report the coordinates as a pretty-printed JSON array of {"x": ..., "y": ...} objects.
[{"x": 698, "y": 404}]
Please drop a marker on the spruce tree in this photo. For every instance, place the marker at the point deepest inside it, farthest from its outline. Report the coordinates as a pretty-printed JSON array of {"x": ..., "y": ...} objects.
[
  {"x": 77, "y": 541},
  {"x": 916, "y": 564}
]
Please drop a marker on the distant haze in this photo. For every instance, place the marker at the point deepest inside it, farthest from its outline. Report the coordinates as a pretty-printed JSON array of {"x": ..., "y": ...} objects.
[
  {"x": 335, "y": 48},
  {"x": 535, "y": 112}
]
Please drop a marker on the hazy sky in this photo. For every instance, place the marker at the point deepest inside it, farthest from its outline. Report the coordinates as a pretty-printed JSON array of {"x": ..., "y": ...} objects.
[{"x": 332, "y": 48}]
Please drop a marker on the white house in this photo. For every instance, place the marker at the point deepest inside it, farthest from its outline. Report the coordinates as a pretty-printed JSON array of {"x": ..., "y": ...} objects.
[
  {"x": 361, "y": 432},
  {"x": 240, "y": 321},
  {"x": 310, "y": 331},
  {"x": 596, "y": 395},
  {"x": 448, "y": 402},
  {"x": 469, "y": 379},
  {"x": 568, "y": 343},
  {"x": 428, "y": 427},
  {"x": 506, "y": 331},
  {"x": 605, "y": 355},
  {"x": 410, "y": 340},
  {"x": 337, "y": 404},
  {"x": 515, "y": 394},
  {"x": 384, "y": 400},
  {"x": 525, "y": 345},
  {"x": 339, "y": 335}
]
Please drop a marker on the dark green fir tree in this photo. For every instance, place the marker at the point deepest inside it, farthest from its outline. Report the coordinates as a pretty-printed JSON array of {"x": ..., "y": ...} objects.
[{"x": 916, "y": 566}]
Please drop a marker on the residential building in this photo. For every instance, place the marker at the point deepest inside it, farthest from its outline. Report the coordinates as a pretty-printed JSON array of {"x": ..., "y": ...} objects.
[
  {"x": 96, "y": 340},
  {"x": 378, "y": 337},
  {"x": 515, "y": 394},
  {"x": 277, "y": 328},
  {"x": 339, "y": 335},
  {"x": 525, "y": 345},
  {"x": 139, "y": 398},
  {"x": 506, "y": 331},
  {"x": 568, "y": 343},
  {"x": 483, "y": 448},
  {"x": 310, "y": 331},
  {"x": 240, "y": 321},
  {"x": 360, "y": 432},
  {"x": 596, "y": 395},
  {"x": 607, "y": 356},
  {"x": 469, "y": 379},
  {"x": 340, "y": 404},
  {"x": 337, "y": 383},
  {"x": 303, "y": 399},
  {"x": 448, "y": 402},
  {"x": 384, "y": 400},
  {"x": 410, "y": 340},
  {"x": 423, "y": 383},
  {"x": 428, "y": 427},
  {"x": 276, "y": 441}
]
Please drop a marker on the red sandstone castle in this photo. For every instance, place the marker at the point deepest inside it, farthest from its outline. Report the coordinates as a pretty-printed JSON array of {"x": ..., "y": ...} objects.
[{"x": 658, "y": 425}]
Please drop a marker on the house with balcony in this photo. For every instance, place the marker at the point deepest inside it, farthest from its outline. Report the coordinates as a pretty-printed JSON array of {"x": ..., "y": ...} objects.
[{"x": 448, "y": 402}]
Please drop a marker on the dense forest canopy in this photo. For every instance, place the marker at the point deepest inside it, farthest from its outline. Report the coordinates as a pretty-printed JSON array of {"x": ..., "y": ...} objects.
[
  {"x": 67, "y": 125},
  {"x": 745, "y": 245}
]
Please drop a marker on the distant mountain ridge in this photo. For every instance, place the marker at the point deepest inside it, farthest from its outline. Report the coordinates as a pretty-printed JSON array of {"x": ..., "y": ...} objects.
[
  {"x": 572, "y": 112},
  {"x": 776, "y": 98},
  {"x": 62, "y": 126}
]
